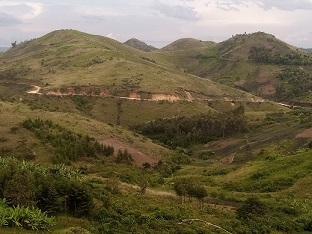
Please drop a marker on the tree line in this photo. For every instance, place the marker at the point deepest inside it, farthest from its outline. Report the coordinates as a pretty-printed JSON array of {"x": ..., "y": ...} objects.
[
  {"x": 185, "y": 131},
  {"x": 265, "y": 55},
  {"x": 294, "y": 83}
]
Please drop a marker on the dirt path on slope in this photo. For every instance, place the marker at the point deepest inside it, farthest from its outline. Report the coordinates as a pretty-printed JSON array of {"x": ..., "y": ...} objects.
[
  {"x": 36, "y": 90},
  {"x": 153, "y": 192},
  {"x": 146, "y": 96},
  {"x": 134, "y": 188}
]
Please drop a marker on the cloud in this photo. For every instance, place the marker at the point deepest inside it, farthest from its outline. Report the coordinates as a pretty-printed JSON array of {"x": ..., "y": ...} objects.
[
  {"x": 226, "y": 6},
  {"x": 285, "y": 5},
  {"x": 176, "y": 11},
  {"x": 288, "y": 5},
  {"x": 8, "y": 20},
  {"x": 22, "y": 11},
  {"x": 35, "y": 11}
]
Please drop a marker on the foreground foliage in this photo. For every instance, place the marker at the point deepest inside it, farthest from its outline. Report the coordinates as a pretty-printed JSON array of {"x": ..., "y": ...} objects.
[
  {"x": 52, "y": 189},
  {"x": 24, "y": 217}
]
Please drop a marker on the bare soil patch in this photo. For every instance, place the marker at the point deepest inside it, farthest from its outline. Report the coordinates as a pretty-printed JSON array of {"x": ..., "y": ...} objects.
[
  {"x": 305, "y": 134},
  {"x": 267, "y": 90}
]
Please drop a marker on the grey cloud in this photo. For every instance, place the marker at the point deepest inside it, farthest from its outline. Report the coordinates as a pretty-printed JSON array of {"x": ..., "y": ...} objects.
[
  {"x": 227, "y": 6},
  {"x": 177, "y": 11},
  {"x": 93, "y": 18},
  {"x": 8, "y": 20},
  {"x": 16, "y": 9},
  {"x": 287, "y": 5}
]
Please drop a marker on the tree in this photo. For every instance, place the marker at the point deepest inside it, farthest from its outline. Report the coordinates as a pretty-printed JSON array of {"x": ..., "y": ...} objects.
[
  {"x": 142, "y": 183},
  {"x": 14, "y": 44},
  {"x": 124, "y": 157},
  {"x": 182, "y": 188},
  {"x": 119, "y": 111},
  {"x": 199, "y": 192},
  {"x": 251, "y": 208},
  {"x": 20, "y": 188}
]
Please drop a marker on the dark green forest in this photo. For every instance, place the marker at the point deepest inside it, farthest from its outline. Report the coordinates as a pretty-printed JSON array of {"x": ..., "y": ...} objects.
[
  {"x": 185, "y": 131},
  {"x": 265, "y": 55}
]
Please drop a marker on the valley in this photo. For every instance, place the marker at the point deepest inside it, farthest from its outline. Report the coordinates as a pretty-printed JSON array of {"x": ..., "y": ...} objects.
[{"x": 99, "y": 136}]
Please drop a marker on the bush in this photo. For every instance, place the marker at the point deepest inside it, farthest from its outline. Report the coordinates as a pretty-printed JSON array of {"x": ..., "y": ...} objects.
[
  {"x": 25, "y": 217},
  {"x": 124, "y": 157},
  {"x": 54, "y": 189},
  {"x": 251, "y": 208}
]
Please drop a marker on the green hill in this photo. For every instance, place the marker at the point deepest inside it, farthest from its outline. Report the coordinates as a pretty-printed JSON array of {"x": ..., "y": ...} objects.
[
  {"x": 186, "y": 44},
  {"x": 140, "y": 45},
  {"x": 252, "y": 62},
  {"x": 107, "y": 80},
  {"x": 65, "y": 61}
]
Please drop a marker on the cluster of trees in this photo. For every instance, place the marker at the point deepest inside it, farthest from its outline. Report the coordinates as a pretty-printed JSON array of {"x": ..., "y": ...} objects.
[
  {"x": 53, "y": 190},
  {"x": 124, "y": 157},
  {"x": 265, "y": 55},
  {"x": 295, "y": 82},
  {"x": 67, "y": 145},
  {"x": 186, "y": 188},
  {"x": 185, "y": 131},
  {"x": 82, "y": 103}
]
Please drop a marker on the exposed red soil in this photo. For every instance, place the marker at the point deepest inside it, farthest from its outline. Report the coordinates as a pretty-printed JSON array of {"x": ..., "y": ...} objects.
[
  {"x": 267, "y": 90},
  {"x": 305, "y": 134},
  {"x": 263, "y": 80}
]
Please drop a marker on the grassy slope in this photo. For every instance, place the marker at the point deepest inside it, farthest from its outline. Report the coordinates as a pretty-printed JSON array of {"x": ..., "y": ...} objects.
[
  {"x": 71, "y": 58},
  {"x": 17, "y": 141},
  {"x": 228, "y": 62}
]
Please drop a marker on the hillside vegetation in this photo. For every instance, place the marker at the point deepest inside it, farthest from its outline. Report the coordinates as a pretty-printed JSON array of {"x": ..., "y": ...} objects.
[
  {"x": 71, "y": 62},
  {"x": 99, "y": 137},
  {"x": 252, "y": 62}
]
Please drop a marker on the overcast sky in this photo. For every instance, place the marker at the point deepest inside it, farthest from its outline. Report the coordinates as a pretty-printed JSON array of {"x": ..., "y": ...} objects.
[{"x": 158, "y": 22}]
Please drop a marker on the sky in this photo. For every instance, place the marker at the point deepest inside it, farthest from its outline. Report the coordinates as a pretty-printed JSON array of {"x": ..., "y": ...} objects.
[{"x": 158, "y": 22}]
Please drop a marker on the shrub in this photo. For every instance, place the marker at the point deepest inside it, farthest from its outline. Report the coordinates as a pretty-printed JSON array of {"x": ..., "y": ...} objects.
[
  {"x": 25, "y": 217},
  {"x": 251, "y": 208}
]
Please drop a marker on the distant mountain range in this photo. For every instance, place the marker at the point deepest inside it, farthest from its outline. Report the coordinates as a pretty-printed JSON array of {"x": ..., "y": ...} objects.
[
  {"x": 309, "y": 50},
  {"x": 3, "y": 49}
]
